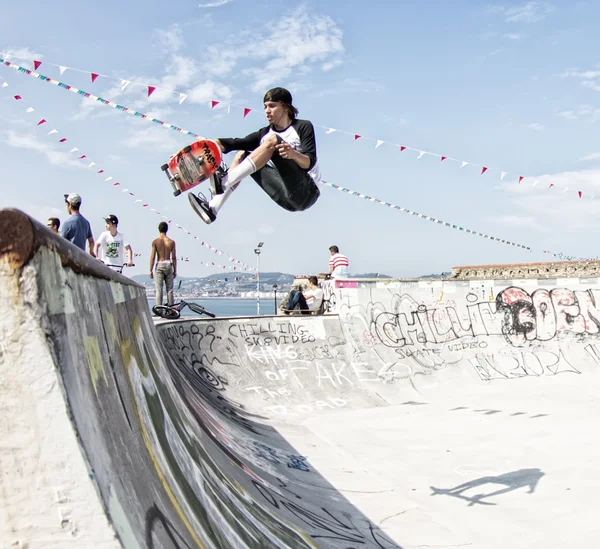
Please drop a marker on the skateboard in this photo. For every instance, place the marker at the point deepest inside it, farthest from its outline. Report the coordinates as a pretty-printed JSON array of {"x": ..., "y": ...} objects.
[{"x": 192, "y": 165}]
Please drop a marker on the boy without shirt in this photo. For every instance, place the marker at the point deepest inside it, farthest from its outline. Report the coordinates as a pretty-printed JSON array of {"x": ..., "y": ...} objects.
[{"x": 165, "y": 255}]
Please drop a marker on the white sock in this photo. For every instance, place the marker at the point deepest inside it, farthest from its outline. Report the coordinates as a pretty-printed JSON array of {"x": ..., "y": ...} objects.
[
  {"x": 217, "y": 201},
  {"x": 230, "y": 182},
  {"x": 235, "y": 175}
]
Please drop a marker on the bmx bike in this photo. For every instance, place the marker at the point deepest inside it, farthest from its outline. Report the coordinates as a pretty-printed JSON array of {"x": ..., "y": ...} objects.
[{"x": 173, "y": 312}]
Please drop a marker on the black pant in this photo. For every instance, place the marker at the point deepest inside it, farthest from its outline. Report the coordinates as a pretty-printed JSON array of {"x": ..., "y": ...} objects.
[{"x": 287, "y": 184}]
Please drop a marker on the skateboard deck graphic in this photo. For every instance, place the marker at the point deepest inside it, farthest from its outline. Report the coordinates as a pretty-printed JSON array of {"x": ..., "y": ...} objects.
[{"x": 192, "y": 165}]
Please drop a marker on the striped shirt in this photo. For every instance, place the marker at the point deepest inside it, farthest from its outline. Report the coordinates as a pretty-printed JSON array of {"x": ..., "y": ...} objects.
[{"x": 338, "y": 265}]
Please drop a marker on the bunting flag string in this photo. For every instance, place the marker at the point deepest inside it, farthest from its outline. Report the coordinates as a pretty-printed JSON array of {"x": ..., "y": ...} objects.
[
  {"x": 246, "y": 111},
  {"x": 449, "y": 225},
  {"x": 483, "y": 169},
  {"x": 330, "y": 130},
  {"x": 145, "y": 205},
  {"x": 99, "y": 99}
]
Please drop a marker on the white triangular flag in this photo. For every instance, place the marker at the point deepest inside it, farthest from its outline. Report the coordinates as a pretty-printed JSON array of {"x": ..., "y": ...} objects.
[
  {"x": 74, "y": 149},
  {"x": 138, "y": 200},
  {"x": 565, "y": 189},
  {"x": 4, "y": 84},
  {"x": 592, "y": 197},
  {"x": 182, "y": 97},
  {"x": 228, "y": 109},
  {"x": 109, "y": 178},
  {"x": 502, "y": 175},
  {"x": 330, "y": 130},
  {"x": 125, "y": 191},
  {"x": 52, "y": 131},
  {"x": 536, "y": 182},
  {"x": 421, "y": 153},
  {"x": 463, "y": 164},
  {"x": 91, "y": 164},
  {"x": 379, "y": 143},
  {"x": 62, "y": 69},
  {"x": 124, "y": 84},
  {"x": 29, "y": 109}
]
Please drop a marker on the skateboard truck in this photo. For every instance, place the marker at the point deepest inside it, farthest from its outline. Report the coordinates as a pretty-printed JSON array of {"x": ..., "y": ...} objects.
[{"x": 172, "y": 178}]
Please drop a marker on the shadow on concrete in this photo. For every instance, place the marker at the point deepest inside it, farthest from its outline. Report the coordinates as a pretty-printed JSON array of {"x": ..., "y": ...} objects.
[{"x": 513, "y": 481}]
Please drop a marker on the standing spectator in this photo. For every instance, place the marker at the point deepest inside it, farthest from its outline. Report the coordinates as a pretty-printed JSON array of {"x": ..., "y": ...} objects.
[
  {"x": 309, "y": 300},
  {"x": 76, "y": 228},
  {"x": 164, "y": 252},
  {"x": 114, "y": 244},
  {"x": 53, "y": 224},
  {"x": 338, "y": 263}
]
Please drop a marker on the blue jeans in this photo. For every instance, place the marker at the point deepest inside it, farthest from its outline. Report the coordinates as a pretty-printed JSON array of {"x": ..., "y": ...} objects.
[{"x": 297, "y": 298}]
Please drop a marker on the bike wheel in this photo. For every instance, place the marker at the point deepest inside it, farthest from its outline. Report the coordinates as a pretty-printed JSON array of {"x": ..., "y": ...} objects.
[
  {"x": 198, "y": 309},
  {"x": 165, "y": 312}
]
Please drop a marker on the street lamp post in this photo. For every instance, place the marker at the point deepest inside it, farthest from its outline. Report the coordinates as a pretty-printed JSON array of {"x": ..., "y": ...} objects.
[
  {"x": 275, "y": 298},
  {"x": 257, "y": 252}
]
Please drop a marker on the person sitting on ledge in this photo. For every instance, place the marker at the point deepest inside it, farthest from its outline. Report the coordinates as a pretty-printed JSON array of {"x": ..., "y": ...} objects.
[{"x": 309, "y": 301}]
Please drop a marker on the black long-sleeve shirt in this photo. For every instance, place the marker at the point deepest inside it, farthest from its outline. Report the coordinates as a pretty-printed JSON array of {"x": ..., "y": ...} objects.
[{"x": 300, "y": 135}]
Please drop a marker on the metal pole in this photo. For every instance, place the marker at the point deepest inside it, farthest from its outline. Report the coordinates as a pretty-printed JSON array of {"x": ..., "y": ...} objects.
[
  {"x": 275, "y": 299},
  {"x": 258, "y": 283}
]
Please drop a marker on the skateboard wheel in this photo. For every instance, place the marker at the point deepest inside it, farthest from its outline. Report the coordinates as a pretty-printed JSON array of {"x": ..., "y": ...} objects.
[
  {"x": 187, "y": 149},
  {"x": 164, "y": 167},
  {"x": 177, "y": 192}
]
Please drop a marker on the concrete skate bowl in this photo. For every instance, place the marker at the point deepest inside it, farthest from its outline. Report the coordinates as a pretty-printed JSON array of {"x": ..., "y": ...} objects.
[{"x": 424, "y": 413}]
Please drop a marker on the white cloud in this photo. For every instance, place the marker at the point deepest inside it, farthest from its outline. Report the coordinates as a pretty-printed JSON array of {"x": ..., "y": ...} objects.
[
  {"x": 536, "y": 126},
  {"x": 22, "y": 54},
  {"x": 522, "y": 221},
  {"x": 592, "y": 156},
  {"x": 291, "y": 44},
  {"x": 215, "y": 4},
  {"x": 158, "y": 139},
  {"x": 588, "y": 78},
  {"x": 583, "y": 112},
  {"x": 170, "y": 39},
  {"x": 530, "y": 12},
  {"x": 594, "y": 85},
  {"x": 547, "y": 204},
  {"x": 513, "y": 36},
  {"x": 586, "y": 75},
  {"x": 49, "y": 150}
]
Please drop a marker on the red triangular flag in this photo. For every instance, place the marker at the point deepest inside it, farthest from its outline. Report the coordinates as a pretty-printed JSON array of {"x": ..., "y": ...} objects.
[
  {"x": 402, "y": 148},
  {"x": 17, "y": 97},
  {"x": 551, "y": 185},
  {"x": 94, "y": 76},
  {"x": 483, "y": 170},
  {"x": 520, "y": 178},
  {"x": 356, "y": 136},
  {"x": 443, "y": 158},
  {"x": 42, "y": 121},
  {"x": 36, "y": 64},
  {"x": 246, "y": 111},
  {"x": 82, "y": 156},
  {"x": 116, "y": 184},
  {"x": 100, "y": 171},
  {"x": 579, "y": 193},
  {"x": 150, "y": 90},
  {"x": 62, "y": 140},
  {"x": 213, "y": 104}
]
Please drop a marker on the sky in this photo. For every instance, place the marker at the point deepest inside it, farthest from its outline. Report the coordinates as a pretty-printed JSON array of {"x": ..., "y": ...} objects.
[{"x": 511, "y": 86}]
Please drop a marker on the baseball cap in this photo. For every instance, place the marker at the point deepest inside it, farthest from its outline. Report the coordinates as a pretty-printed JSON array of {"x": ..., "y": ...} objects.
[
  {"x": 112, "y": 218},
  {"x": 74, "y": 199},
  {"x": 278, "y": 94}
]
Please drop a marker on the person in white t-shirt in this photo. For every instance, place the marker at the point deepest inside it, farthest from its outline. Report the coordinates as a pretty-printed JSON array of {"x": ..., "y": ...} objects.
[
  {"x": 112, "y": 245},
  {"x": 309, "y": 300}
]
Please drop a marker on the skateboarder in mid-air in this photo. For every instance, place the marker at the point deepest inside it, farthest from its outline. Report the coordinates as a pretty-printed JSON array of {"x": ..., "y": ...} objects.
[{"x": 281, "y": 158}]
